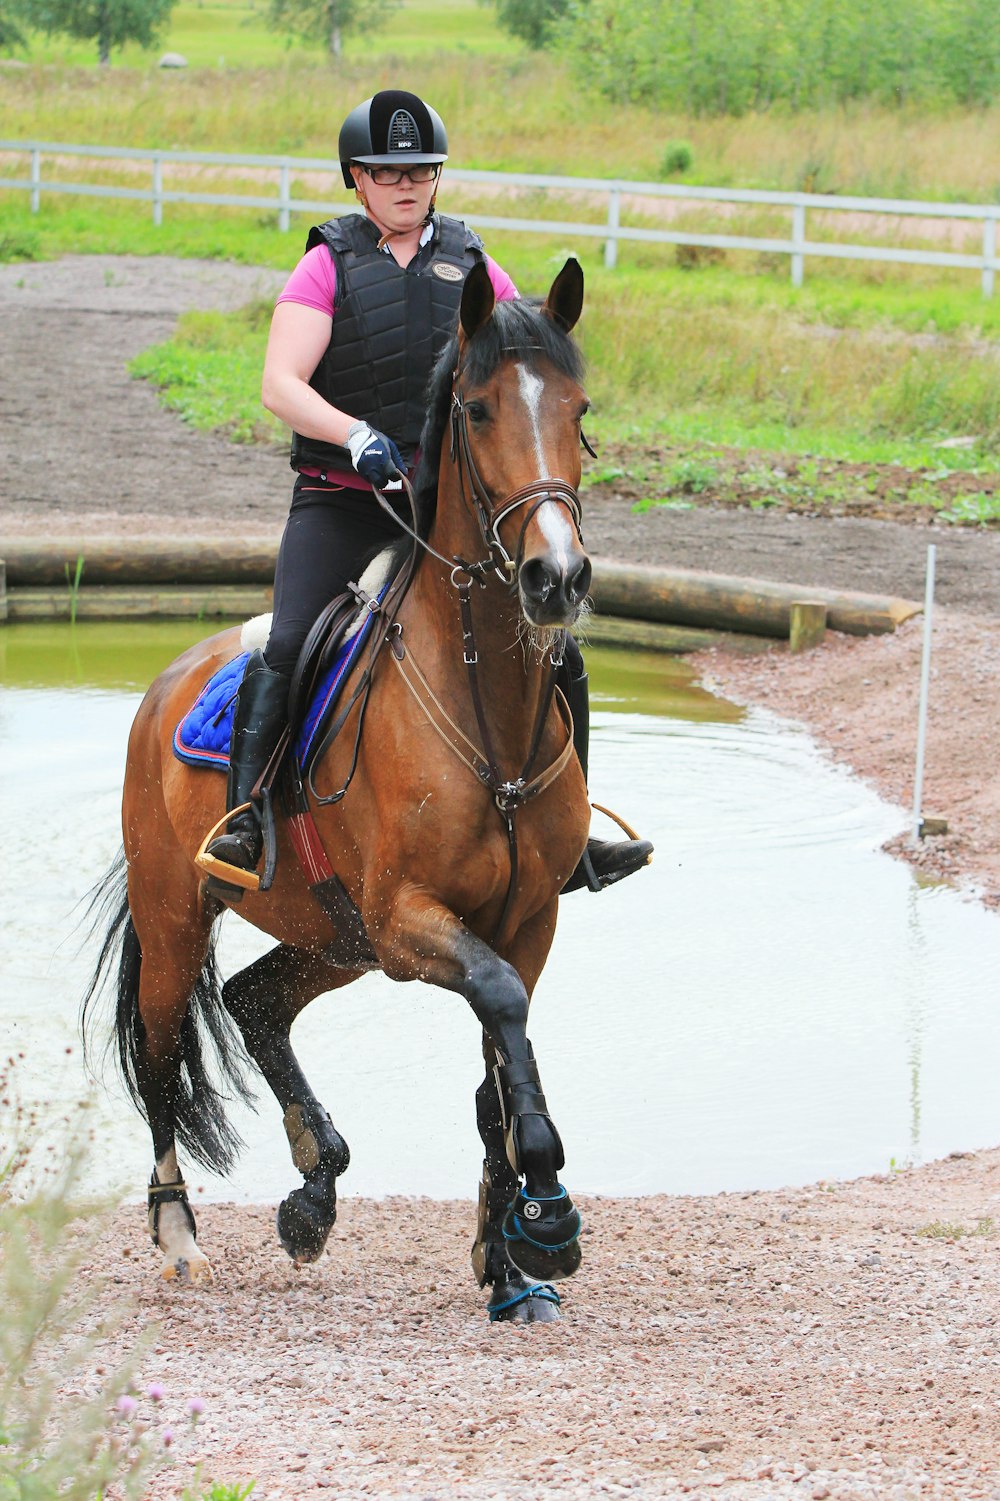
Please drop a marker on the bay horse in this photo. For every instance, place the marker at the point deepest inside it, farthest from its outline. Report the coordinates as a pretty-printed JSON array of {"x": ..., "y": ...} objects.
[{"x": 438, "y": 880}]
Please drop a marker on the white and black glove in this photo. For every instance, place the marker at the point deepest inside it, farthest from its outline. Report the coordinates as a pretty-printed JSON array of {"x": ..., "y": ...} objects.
[{"x": 374, "y": 456}]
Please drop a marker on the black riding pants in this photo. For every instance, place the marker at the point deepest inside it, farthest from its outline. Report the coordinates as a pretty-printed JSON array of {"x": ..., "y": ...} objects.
[{"x": 331, "y": 535}]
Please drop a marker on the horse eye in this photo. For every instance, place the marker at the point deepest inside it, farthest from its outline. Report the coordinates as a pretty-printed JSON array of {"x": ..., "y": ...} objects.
[{"x": 476, "y": 411}]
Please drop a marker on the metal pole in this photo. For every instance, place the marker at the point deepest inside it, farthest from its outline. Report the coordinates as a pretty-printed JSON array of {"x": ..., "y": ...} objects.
[
  {"x": 157, "y": 191},
  {"x": 798, "y": 238},
  {"x": 989, "y": 254},
  {"x": 36, "y": 180},
  {"x": 614, "y": 220},
  {"x": 925, "y": 678},
  {"x": 284, "y": 217}
]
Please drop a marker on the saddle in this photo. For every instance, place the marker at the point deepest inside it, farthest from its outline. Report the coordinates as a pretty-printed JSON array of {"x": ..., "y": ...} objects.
[{"x": 333, "y": 645}]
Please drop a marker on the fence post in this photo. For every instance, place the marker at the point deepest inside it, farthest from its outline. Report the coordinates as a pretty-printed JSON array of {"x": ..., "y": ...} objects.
[
  {"x": 614, "y": 220},
  {"x": 989, "y": 254},
  {"x": 798, "y": 238},
  {"x": 157, "y": 190},
  {"x": 284, "y": 217},
  {"x": 36, "y": 179}
]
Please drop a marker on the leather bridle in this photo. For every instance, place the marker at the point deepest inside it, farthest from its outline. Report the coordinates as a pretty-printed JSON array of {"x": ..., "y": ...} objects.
[{"x": 477, "y": 498}]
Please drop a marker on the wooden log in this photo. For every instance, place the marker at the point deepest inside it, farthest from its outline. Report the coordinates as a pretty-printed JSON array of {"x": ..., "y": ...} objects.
[
  {"x": 654, "y": 635},
  {"x": 108, "y": 602},
  {"x": 140, "y": 561},
  {"x": 723, "y": 602},
  {"x": 673, "y": 596},
  {"x": 807, "y": 624}
]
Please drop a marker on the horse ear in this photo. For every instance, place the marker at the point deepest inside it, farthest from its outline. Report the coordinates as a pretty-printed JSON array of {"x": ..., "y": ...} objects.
[
  {"x": 478, "y": 300},
  {"x": 564, "y": 303}
]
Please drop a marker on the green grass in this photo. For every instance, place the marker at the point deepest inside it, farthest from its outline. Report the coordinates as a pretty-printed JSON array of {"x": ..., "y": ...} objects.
[
  {"x": 234, "y": 34},
  {"x": 776, "y": 373},
  {"x": 692, "y": 356},
  {"x": 946, "y": 1230},
  {"x": 246, "y": 90}
]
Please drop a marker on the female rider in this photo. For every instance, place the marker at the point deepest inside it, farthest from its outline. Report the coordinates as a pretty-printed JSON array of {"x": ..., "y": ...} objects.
[{"x": 354, "y": 338}]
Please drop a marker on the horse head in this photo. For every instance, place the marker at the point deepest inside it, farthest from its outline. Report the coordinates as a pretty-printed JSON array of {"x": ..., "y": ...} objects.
[{"x": 517, "y": 403}]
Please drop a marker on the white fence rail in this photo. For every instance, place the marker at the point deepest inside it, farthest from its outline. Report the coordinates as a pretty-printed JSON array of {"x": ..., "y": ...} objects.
[{"x": 797, "y": 247}]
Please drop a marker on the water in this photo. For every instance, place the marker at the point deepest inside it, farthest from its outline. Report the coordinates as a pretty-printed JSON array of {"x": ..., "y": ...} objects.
[{"x": 773, "y": 1002}]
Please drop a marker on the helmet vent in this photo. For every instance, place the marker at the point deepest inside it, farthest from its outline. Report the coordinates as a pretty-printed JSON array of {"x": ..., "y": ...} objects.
[{"x": 403, "y": 132}]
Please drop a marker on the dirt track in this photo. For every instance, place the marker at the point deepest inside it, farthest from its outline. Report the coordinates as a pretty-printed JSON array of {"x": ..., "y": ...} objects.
[{"x": 806, "y": 1342}]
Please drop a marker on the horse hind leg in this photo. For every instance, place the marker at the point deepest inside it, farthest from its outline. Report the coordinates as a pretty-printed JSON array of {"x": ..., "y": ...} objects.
[
  {"x": 264, "y": 999},
  {"x": 167, "y": 996}
]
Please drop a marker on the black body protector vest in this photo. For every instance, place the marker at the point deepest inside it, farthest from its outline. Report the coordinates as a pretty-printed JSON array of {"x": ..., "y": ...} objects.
[{"x": 390, "y": 324}]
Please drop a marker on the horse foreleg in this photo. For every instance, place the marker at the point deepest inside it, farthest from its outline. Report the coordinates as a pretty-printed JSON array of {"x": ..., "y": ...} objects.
[
  {"x": 425, "y": 941},
  {"x": 514, "y": 1298},
  {"x": 264, "y": 999}
]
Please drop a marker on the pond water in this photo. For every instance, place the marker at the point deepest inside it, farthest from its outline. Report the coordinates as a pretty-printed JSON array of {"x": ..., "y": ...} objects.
[{"x": 773, "y": 1002}]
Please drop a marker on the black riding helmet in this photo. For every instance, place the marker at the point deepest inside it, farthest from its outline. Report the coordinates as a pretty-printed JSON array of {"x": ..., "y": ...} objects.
[{"x": 389, "y": 130}]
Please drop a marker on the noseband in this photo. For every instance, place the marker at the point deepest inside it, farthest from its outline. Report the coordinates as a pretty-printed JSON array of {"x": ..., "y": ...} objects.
[{"x": 477, "y": 499}]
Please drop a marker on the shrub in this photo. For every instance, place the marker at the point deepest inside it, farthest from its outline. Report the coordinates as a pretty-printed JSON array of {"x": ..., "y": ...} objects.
[{"x": 676, "y": 159}]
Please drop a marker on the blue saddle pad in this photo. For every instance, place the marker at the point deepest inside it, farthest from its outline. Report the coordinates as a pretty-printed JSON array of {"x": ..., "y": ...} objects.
[{"x": 203, "y": 735}]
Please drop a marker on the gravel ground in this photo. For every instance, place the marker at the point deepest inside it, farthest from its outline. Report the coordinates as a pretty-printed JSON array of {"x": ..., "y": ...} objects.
[
  {"x": 838, "y": 1341},
  {"x": 835, "y": 1341}
]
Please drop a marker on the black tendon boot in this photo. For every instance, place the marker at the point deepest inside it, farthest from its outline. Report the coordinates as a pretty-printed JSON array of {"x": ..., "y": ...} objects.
[
  {"x": 604, "y": 861},
  {"x": 258, "y": 720}
]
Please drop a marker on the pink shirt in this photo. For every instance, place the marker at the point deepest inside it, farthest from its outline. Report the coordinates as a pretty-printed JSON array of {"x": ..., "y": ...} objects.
[{"x": 314, "y": 281}]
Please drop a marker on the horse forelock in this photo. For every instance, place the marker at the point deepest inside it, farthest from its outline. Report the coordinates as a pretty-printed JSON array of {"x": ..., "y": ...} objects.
[{"x": 518, "y": 331}]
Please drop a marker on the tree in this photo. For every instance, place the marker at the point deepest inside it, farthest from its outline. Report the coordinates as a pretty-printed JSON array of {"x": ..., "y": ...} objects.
[
  {"x": 110, "y": 23},
  {"x": 325, "y": 21},
  {"x": 11, "y": 35},
  {"x": 532, "y": 20}
]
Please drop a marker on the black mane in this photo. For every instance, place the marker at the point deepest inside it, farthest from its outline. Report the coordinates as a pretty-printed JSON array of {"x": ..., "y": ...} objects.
[{"x": 518, "y": 329}]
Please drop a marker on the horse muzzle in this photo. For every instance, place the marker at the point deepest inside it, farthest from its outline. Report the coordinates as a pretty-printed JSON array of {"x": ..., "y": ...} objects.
[{"x": 553, "y": 587}]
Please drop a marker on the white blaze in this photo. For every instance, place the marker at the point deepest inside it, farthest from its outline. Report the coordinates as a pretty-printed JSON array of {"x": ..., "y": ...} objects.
[{"x": 552, "y": 518}]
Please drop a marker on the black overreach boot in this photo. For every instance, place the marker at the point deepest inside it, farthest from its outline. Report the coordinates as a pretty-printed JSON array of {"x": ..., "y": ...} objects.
[
  {"x": 258, "y": 720},
  {"x": 604, "y": 861}
]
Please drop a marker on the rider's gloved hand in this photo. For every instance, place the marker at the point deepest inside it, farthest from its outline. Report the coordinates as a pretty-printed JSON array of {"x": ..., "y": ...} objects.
[{"x": 374, "y": 456}]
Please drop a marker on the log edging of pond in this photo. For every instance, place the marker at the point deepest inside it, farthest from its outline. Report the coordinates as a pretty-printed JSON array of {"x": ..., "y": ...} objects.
[{"x": 190, "y": 577}]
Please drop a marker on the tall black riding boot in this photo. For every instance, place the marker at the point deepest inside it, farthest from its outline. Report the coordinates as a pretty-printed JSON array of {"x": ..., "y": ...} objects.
[
  {"x": 258, "y": 720},
  {"x": 604, "y": 861}
]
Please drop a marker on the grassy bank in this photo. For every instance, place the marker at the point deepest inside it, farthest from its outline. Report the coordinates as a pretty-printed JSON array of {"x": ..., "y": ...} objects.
[
  {"x": 707, "y": 383},
  {"x": 694, "y": 356},
  {"x": 505, "y": 109}
]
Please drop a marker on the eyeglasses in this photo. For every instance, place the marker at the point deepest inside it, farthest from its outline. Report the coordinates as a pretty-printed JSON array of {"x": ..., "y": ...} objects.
[{"x": 388, "y": 177}]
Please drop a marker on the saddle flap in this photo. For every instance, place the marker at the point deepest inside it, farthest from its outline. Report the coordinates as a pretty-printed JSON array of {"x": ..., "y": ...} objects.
[{"x": 318, "y": 653}]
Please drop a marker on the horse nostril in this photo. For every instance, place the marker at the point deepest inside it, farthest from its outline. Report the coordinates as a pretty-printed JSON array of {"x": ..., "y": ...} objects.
[
  {"x": 578, "y": 583},
  {"x": 536, "y": 580}
]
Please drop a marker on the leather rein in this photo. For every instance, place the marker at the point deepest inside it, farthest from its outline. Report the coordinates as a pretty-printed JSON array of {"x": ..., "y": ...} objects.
[{"x": 509, "y": 795}]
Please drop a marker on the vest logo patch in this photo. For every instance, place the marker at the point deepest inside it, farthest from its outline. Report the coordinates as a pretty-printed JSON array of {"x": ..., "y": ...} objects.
[{"x": 447, "y": 272}]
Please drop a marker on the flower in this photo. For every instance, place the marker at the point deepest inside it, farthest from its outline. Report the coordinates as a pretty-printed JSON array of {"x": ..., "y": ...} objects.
[
  {"x": 196, "y": 1407},
  {"x": 168, "y": 1437},
  {"x": 154, "y": 1391},
  {"x": 126, "y": 1405}
]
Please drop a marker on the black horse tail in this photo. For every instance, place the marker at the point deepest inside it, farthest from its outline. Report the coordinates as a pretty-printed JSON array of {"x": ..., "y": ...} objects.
[{"x": 199, "y": 1103}]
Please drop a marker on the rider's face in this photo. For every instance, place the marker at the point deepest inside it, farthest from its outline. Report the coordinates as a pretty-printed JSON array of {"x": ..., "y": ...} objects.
[{"x": 398, "y": 208}]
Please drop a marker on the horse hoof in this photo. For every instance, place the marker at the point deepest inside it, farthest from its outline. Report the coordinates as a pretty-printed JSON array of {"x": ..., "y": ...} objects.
[
  {"x": 517, "y": 1301},
  {"x": 532, "y": 1311},
  {"x": 304, "y": 1227},
  {"x": 189, "y": 1271}
]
